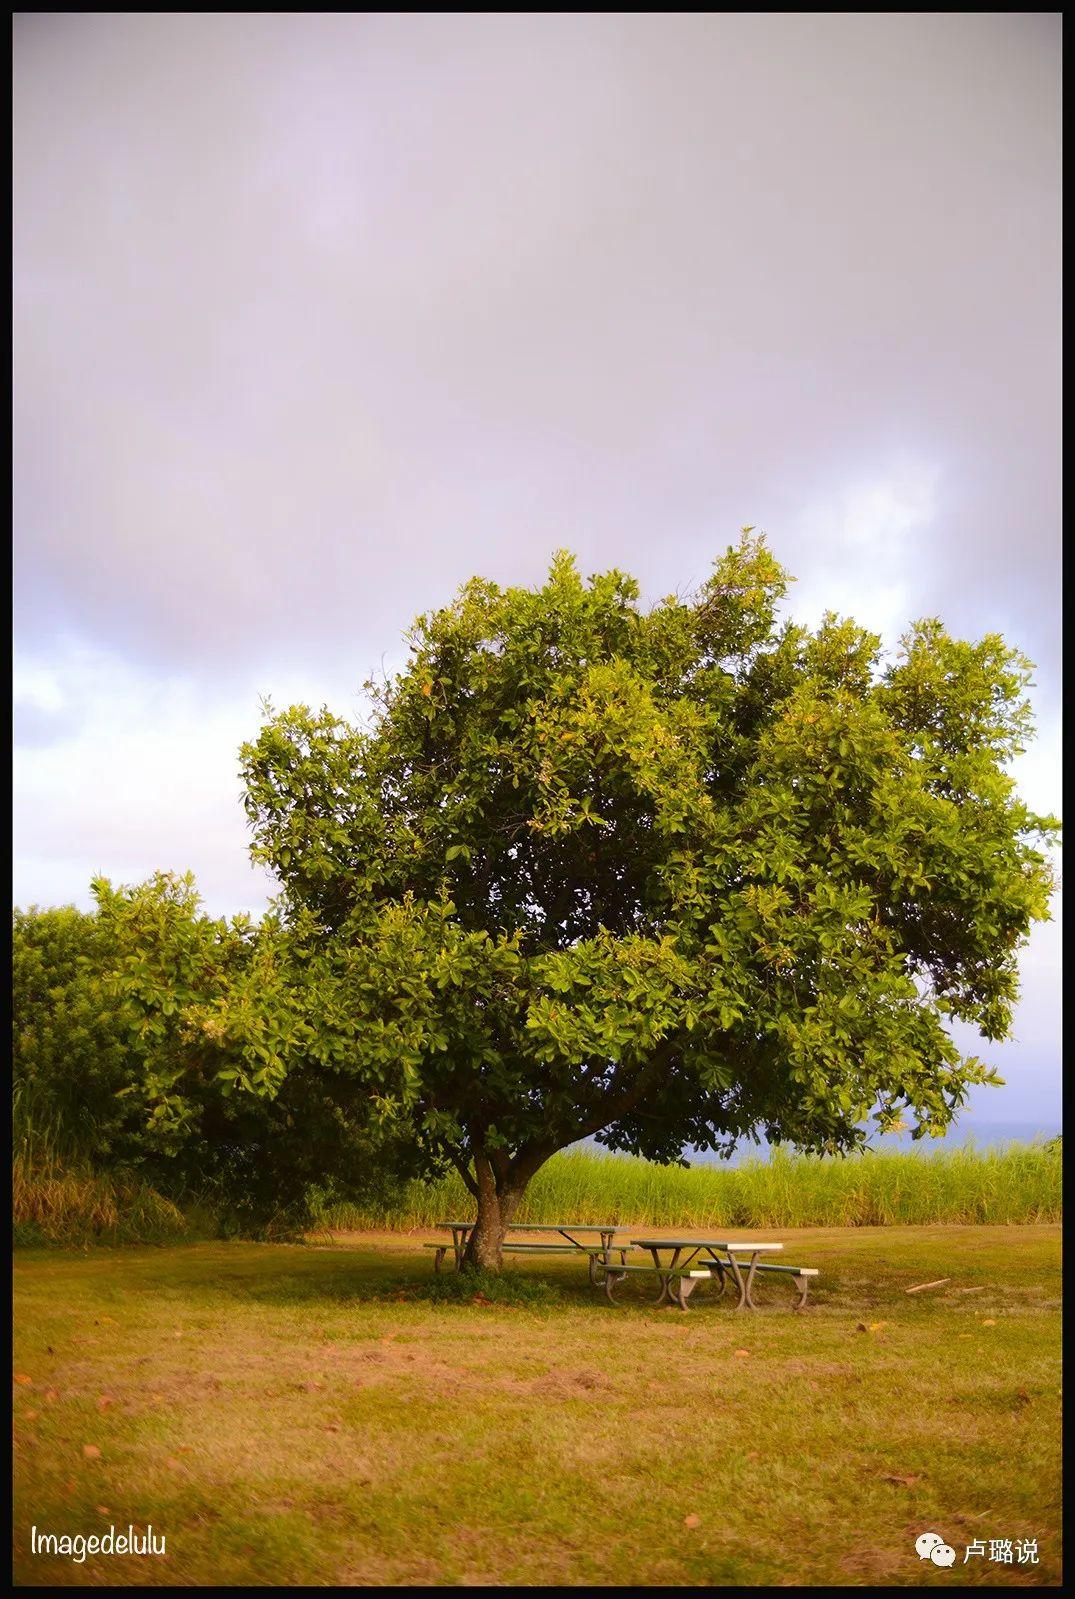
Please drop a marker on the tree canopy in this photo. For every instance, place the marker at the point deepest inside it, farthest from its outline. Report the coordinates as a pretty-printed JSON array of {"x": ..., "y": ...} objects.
[{"x": 668, "y": 876}]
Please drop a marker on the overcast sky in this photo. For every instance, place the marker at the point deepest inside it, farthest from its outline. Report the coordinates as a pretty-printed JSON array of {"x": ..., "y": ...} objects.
[{"x": 316, "y": 316}]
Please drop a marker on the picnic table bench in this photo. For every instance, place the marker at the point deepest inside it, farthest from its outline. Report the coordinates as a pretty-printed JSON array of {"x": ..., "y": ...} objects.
[
  {"x": 702, "y": 1260},
  {"x": 568, "y": 1231}
]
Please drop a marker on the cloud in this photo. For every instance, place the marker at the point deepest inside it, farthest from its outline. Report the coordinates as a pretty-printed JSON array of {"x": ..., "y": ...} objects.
[
  {"x": 316, "y": 316},
  {"x": 869, "y": 543},
  {"x": 141, "y": 775}
]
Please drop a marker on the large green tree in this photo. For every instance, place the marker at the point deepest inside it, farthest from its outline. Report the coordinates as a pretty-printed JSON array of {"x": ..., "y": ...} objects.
[{"x": 665, "y": 876}]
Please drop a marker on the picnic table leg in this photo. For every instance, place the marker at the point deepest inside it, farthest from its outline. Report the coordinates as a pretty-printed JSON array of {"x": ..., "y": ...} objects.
[
  {"x": 802, "y": 1284},
  {"x": 439, "y": 1257},
  {"x": 612, "y": 1278},
  {"x": 737, "y": 1277},
  {"x": 608, "y": 1245},
  {"x": 665, "y": 1274},
  {"x": 750, "y": 1281},
  {"x": 603, "y": 1257},
  {"x": 657, "y": 1266},
  {"x": 683, "y": 1290}
]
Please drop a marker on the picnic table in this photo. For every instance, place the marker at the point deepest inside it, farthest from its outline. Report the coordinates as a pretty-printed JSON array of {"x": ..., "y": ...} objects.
[
  {"x": 716, "y": 1257},
  {"x": 569, "y": 1231},
  {"x": 692, "y": 1260}
]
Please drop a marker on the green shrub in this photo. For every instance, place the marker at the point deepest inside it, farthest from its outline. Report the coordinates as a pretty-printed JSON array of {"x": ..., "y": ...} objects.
[
  {"x": 484, "y": 1287},
  {"x": 112, "y": 1111}
]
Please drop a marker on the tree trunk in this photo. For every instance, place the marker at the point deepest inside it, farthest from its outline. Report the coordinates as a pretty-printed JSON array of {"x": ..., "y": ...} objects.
[{"x": 497, "y": 1201}]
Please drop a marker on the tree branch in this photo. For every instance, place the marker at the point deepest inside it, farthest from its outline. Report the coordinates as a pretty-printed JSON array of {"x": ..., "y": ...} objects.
[
  {"x": 612, "y": 1105},
  {"x": 531, "y": 1157},
  {"x": 462, "y": 1167}
]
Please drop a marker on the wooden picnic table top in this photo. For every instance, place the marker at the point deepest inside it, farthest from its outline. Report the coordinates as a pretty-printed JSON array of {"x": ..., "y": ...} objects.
[
  {"x": 728, "y": 1245},
  {"x": 564, "y": 1227},
  {"x": 546, "y": 1226}
]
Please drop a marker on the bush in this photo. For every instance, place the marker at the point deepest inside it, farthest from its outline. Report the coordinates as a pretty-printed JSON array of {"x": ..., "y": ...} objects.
[
  {"x": 123, "y": 1122},
  {"x": 484, "y": 1288},
  {"x": 71, "y": 1069}
]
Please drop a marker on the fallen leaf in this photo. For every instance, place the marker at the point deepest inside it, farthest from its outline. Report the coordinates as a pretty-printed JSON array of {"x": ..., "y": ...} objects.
[
  {"x": 29, "y": 1415},
  {"x": 102, "y": 1510},
  {"x": 104, "y": 1402},
  {"x": 333, "y": 1426},
  {"x": 21, "y": 1377},
  {"x": 692, "y": 1521},
  {"x": 69, "y": 1486},
  {"x": 742, "y": 1352},
  {"x": 91, "y": 1451},
  {"x": 1021, "y": 1394},
  {"x": 51, "y": 1395},
  {"x": 902, "y": 1482},
  {"x": 184, "y": 1449},
  {"x": 875, "y": 1326},
  {"x": 110, "y": 1321},
  {"x": 861, "y": 1327},
  {"x": 989, "y": 1321},
  {"x": 172, "y": 1463}
]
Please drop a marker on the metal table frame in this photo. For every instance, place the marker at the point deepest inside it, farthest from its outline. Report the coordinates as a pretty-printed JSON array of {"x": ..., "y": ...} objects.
[
  {"x": 461, "y": 1231},
  {"x": 717, "y": 1255}
]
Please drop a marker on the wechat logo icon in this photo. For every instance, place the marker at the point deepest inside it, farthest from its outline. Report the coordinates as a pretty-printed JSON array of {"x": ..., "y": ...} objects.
[{"x": 931, "y": 1546}]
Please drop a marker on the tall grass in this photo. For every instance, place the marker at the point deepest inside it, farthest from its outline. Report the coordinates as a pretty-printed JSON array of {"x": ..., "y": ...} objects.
[
  {"x": 58, "y": 1199},
  {"x": 54, "y": 1202},
  {"x": 1012, "y": 1184}
]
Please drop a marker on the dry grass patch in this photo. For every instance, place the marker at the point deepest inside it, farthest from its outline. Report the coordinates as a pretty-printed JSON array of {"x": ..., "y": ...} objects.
[{"x": 284, "y": 1418}]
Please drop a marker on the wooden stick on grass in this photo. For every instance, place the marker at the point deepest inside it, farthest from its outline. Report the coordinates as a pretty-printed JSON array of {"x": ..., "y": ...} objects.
[{"x": 938, "y": 1284}]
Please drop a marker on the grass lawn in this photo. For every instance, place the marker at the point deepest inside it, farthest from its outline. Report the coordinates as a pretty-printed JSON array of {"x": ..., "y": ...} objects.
[{"x": 310, "y": 1415}]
